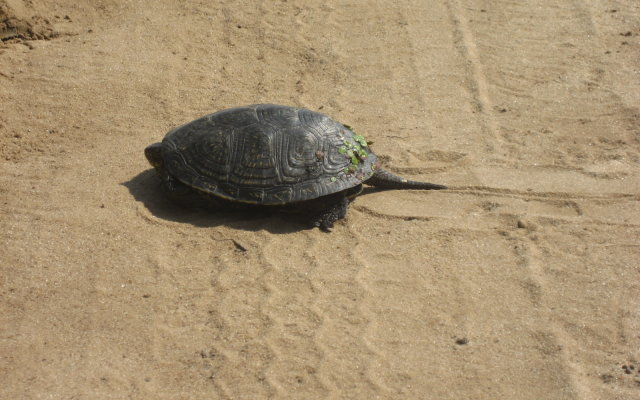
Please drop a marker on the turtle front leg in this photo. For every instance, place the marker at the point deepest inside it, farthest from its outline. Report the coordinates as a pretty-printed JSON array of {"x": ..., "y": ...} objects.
[{"x": 329, "y": 216}]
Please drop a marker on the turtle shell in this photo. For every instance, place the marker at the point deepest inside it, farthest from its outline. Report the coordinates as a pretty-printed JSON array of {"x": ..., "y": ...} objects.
[{"x": 267, "y": 154}]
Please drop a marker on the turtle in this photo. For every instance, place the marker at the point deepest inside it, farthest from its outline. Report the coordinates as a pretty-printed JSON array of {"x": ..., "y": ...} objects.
[{"x": 268, "y": 155}]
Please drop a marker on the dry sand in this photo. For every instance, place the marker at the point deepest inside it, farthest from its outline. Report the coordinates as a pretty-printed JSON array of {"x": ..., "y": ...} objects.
[{"x": 521, "y": 282}]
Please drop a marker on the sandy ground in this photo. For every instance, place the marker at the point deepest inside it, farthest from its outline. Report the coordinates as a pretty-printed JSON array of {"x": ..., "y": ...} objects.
[{"x": 520, "y": 282}]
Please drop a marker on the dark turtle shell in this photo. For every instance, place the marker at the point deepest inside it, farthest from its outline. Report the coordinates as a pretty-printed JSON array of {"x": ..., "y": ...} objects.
[{"x": 267, "y": 154}]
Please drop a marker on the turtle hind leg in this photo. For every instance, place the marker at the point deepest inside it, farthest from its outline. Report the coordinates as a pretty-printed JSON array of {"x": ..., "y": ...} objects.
[
  {"x": 333, "y": 213},
  {"x": 332, "y": 208}
]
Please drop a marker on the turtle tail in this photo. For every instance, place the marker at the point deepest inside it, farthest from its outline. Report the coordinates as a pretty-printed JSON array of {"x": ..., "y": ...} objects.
[{"x": 386, "y": 180}]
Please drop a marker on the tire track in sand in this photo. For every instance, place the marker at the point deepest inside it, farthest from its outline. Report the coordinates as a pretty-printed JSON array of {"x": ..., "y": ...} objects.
[
  {"x": 213, "y": 321},
  {"x": 552, "y": 339},
  {"x": 240, "y": 321},
  {"x": 591, "y": 329},
  {"x": 550, "y": 66},
  {"x": 318, "y": 324},
  {"x": 476, "y": 81},
  {"x": 294, "y": 320},
  {"x": 349, "y": 355}
]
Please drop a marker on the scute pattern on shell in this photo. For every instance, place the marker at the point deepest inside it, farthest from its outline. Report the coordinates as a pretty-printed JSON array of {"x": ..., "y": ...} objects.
[{"x": 263, "y": 154}]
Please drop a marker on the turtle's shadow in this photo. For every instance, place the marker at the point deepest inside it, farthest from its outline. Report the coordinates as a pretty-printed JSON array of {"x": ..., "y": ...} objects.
[{"x": 145, "y": 187}]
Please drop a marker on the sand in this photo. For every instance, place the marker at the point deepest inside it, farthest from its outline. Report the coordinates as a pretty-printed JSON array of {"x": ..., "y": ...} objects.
[{"x": 520, "y": 282}]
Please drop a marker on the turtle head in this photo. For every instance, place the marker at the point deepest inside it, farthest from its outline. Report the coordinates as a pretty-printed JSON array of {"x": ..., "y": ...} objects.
[{"x": 154, "y": 155}]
